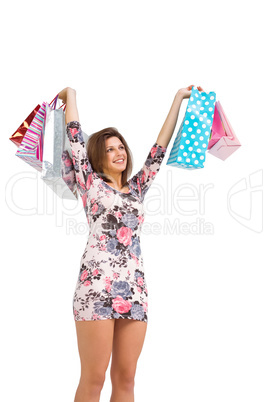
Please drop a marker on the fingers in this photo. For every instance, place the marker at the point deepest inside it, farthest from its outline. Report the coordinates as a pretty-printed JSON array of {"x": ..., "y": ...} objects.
[{"x": 191, "y": 86}]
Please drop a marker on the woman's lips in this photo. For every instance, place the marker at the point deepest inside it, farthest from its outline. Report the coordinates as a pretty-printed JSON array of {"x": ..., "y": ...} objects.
[{"x": 122, "y": 161}]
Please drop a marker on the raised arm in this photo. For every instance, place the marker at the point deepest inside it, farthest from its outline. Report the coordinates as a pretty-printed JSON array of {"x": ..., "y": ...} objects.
[
  {"x": 170, "y": 123},
  {"x": 68, "y": 96},
  {"x": 82, "y": 166}
]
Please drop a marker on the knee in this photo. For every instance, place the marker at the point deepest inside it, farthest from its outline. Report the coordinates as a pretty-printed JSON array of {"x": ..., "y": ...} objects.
[
  {"x": 123, "y": 379},
  {"x": 92, "y": 382}
]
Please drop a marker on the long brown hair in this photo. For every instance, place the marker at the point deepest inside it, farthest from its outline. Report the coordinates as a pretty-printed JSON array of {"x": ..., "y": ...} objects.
[{"x": 96, "y": 151}]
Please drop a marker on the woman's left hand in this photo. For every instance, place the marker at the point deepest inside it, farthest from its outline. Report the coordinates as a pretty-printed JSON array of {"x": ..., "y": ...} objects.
[{"x": 186, "y": 92}]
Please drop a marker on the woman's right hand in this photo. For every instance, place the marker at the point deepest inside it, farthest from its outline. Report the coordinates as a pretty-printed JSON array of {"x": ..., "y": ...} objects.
[
  {"x": 64, "y": 92},
  {"x": 68, "y": 96}
]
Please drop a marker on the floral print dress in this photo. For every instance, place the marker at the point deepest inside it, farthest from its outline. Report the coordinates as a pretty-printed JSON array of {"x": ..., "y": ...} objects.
[{"x": 111, "y": 281}]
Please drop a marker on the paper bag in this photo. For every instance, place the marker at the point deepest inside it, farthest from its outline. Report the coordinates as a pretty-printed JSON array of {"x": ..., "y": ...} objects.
[
  {"x": 229, "y": 142},
  {"x": 190, "y": 145}
]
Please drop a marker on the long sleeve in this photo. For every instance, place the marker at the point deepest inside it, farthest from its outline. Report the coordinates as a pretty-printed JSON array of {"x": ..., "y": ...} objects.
[
  {"x": 144, "y": 178},
  {"x": 82, "y": 167}
]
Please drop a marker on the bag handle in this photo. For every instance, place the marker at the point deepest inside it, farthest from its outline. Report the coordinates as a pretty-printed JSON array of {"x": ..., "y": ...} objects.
[
  {"x": 54, "y": 101},
  {"x": 225, "y": 121}
]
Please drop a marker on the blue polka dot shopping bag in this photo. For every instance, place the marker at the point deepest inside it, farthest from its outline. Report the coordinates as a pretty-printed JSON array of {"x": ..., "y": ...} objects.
[{"x": 191, "y": 143}]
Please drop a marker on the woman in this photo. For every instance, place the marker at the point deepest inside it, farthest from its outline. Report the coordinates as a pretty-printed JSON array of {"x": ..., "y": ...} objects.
[{"x": 110, "y": 302}]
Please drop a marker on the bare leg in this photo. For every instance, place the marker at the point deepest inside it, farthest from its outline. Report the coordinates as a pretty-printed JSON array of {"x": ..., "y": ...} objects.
[
  {"x": 128, "y": 341},
  {"x": 95, "y": 340}
]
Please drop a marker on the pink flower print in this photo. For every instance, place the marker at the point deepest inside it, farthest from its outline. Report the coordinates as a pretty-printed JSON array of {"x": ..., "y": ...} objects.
[
  {"x": 103, "y": 248},
  {"x": 108, "y": 286},
  {"x": 141, "y": 218},
  {"x": 128, "y": 272},
  {"x": 73, "y": 131},
  {"x": 94, "y": 208},
  {"x": 95, "y": 272},
  {"x": 143, "y": 177},
  {"x": 84, "y": 199},
  {"x": 87, "y": 283},
  {"x": 134, "y": 258},
  {"x": 84, "y": 275},
  {"x": 80, "y": 182},
  {"x": 145, "y": 306},
  {"x": 67, "y": 162},
  {"x": 89, "y": 181},
  {"x": 84, "y": 167},
  {"x": 95, "y": 316},
  {"x": 140, "y": 281},
  {"x": 153, "y": 151},
  {"x": 124, "y": 235},
  {"x": 115, "y": 275},
  {"x": 118, "y": 214},
  {"x": 138, "y": 289},
  {"x": 75, "y": 312},
  {"x": 139, "y": 187},
  {"x": 151, "y": 174},
  {"x": 120, "y": 305},
  {"x": 103, "y": 237}
]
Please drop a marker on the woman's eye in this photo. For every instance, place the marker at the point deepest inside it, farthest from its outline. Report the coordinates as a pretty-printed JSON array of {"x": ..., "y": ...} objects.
[{"x": 111, "y": 148}]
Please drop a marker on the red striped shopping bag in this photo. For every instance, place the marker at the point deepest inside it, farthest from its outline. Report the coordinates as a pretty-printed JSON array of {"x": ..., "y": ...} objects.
[
  {"x": 31, "y": 148},
  {"x": 17, "y": 137}
]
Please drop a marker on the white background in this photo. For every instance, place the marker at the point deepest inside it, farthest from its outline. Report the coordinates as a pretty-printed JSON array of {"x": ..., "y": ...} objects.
[{"x": 207, "y": 330}]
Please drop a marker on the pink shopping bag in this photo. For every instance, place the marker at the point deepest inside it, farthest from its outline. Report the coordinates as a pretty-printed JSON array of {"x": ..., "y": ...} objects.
[
  {"x": 225, "y": 143},
  {"x": 217, "y": 129}
]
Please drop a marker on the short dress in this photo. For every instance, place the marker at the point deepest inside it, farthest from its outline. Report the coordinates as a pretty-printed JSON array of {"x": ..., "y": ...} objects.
[{"x": 111, "y": 283}]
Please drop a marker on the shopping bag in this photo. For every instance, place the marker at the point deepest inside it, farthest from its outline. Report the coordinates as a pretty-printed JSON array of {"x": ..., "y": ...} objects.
[
  {"x": 31, "y": 147},
  {"x": 20, "y": 132},
  {"x": 58, "y": 169},
  {"x": 190, "y": 145},
  {"x": 57, "y": 164},
  {"x": 217, "y": 129},
  {"x": 228, "y": 143}
]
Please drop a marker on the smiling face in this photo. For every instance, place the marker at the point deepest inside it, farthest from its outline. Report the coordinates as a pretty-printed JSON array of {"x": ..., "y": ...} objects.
[{"x": 116, "y": 156}]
